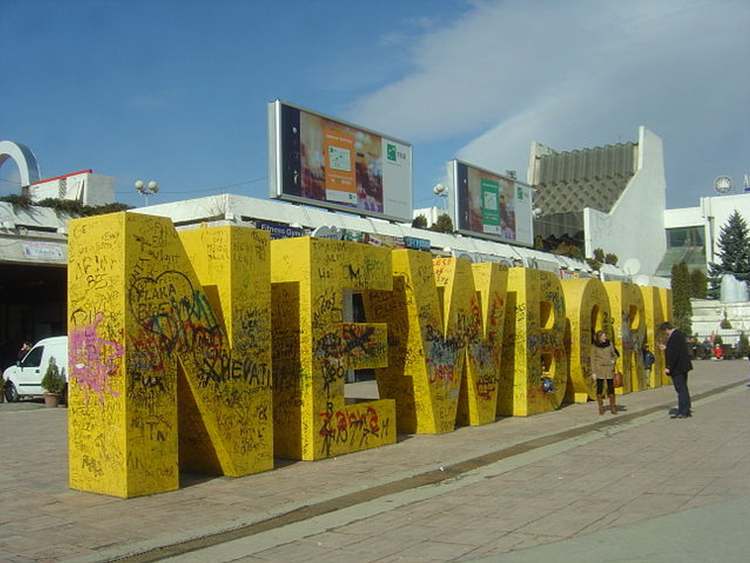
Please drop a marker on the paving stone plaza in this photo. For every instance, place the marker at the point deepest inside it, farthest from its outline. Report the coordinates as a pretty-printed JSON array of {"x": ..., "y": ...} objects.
[{"x": 569, "y": 482}]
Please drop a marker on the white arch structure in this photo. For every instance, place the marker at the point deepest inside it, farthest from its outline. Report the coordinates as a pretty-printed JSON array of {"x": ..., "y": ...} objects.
[{"x": 24, "y": 159}]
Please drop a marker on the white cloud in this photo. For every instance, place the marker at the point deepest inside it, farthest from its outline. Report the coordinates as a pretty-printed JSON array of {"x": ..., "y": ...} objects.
[
  {"x": 576, "y": 74},
  {"x": 392, "y": 38},
  {"x": 423, "y": 22}
]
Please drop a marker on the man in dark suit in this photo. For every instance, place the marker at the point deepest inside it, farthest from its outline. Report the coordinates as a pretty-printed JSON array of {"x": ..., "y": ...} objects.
[{"x": 678, "y": 365}]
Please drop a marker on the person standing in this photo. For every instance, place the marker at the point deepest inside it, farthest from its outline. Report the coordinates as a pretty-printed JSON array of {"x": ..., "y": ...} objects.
[
  {"x": 603, "y": 358},
  {"x": 678, "y": 365},
  {"x": 648, "y": 358},
  {"x": 25, "y": 347}
]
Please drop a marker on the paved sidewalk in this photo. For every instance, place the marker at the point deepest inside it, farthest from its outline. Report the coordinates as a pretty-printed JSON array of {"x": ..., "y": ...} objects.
[
  {"x": 715, "y": 532},
  {"x": 42, "y": 519},
  {"x": 618, "y": 493}
]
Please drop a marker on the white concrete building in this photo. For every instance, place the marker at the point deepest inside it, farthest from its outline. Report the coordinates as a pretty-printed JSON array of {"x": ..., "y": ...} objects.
[
  {"x": 634, "y": 227},
  {"x": 613, "y": 197},
  {"x": 83, "y": 186},
  {"x": 692, "y": 233}
]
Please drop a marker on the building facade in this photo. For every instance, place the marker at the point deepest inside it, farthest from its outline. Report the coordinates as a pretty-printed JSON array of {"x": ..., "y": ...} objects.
[
  {"x": 611, "y": 197},
  {"x": 692, "y": 233}
]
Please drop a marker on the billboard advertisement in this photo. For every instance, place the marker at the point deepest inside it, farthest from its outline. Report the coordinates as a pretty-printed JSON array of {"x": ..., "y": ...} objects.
[
  {"x": 322, "y": 161},
  {"x": 490, "y": 205}
]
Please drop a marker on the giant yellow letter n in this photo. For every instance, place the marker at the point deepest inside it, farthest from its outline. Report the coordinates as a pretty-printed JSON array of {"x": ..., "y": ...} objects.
[
  {"x": 143, "y": 332},
  {"x": 314, "y": 348}
]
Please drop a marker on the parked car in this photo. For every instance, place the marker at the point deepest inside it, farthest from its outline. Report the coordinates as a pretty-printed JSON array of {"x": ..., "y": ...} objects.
[{"x": 25, "y": 378}]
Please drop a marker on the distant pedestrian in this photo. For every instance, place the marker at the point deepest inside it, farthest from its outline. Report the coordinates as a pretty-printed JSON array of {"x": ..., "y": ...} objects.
[
  {"x": 603, "y": 358},
  {"x": 678, "y": 365},
  {"x": 25, "y": 347},
  {"x": 718, "y": 352}
]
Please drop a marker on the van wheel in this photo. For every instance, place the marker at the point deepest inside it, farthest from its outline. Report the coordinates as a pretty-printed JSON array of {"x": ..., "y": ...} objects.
[{"x": 11, "y": 394}]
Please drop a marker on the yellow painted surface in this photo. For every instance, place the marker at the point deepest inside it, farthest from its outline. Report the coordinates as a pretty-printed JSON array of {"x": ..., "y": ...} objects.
[
  {"x": 412, "y": 313},
  {"x": 473, "y": 304},
  {"x": 97, "y": 434},
  {"x": 533, "y": 344},
  {"x": 665, "y": 297},
  {"x": 156, "y": 338},
  {"x": 655, "y": 315},
  {"x": 629, "y": 328},
  {"x": 233, "y": 267},
  {"x": 445, "y": 324},
  {"x": 587, "y": 311},
  {"x": 314, "y": 348},
  {"x": 485, "y": 349},
  {"x": 172, "y": 339}
]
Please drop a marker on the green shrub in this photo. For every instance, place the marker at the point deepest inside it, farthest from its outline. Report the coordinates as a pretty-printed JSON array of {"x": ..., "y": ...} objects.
[
  {"x": 53, "y": 381},
  {"x": 743, "y": 346}
]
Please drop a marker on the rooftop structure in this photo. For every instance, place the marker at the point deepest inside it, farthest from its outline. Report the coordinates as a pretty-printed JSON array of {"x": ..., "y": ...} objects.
[{"x": 610, "y": 197}]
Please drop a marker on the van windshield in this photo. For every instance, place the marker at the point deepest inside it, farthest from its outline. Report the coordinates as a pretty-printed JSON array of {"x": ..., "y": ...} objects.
[{"x": 34, "y": 358}]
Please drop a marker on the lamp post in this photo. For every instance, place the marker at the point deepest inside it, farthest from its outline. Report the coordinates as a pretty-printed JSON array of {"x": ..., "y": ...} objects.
[
  {"x": 441, "y": 192},
  {"x": 146, "y": 189}
]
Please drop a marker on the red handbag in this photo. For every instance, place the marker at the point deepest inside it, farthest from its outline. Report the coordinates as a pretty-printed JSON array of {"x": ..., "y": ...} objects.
[{"x": 617, "y": 380}]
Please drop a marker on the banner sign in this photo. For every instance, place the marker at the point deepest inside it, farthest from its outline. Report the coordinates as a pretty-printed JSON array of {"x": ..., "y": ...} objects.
[
  {"x": 321, "y": 161},
  {"x": 490, "y": 205},
  {"x": 279, "y": 230}
]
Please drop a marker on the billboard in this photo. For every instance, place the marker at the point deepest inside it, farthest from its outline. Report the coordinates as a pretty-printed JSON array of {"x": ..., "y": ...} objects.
[
  {"x": 490, "y": 205},
  {"x": 322, "y": 161}
]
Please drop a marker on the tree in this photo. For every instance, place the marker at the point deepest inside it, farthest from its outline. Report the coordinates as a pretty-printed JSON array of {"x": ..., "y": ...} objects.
[
  {"x": 569, "y": 250},
  {"x": 444, "y": 224},
  {"x": 681, "y": 307},
  {"x": 597, "y": 260},
  {"x": 743, "y": 346},
  {"x": 419, "y": 222},
  {"x": 698, "y": 284},
  {"x": 733, "y": 253}
]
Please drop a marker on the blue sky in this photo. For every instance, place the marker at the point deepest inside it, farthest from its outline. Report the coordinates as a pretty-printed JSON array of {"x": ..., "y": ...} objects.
[{"x": 177, "y": 91}]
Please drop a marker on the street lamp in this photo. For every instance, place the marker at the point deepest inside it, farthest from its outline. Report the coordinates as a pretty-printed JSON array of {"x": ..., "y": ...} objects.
[
  {"x": 441, "y": 192},
  {"x": 146, "y": 189}
]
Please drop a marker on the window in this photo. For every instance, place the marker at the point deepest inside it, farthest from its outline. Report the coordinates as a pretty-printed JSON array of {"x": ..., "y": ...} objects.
[
  {"x": 685, "y": 236},
  {"x": 34, "y": 358}
]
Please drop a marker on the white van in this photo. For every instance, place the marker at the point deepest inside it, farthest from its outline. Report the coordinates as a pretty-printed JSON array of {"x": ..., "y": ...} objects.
[{"x": 25, "y": 378}]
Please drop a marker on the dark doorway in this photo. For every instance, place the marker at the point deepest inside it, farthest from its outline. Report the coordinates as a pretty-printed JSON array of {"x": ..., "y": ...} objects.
[{"x": 32, "y": 306}]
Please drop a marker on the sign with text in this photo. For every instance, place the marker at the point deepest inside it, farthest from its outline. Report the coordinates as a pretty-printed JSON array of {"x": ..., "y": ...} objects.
[
  {"x": 490, "y": 205},
  {"x": 326, "y": 162},
  {"x": 279, "y": 230}
]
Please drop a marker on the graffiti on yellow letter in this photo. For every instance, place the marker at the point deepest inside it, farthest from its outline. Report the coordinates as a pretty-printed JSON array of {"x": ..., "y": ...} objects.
[
  {"x": 587, "y": 310},
  {"x": 314, "y": 348},
  {"x": 535, "y": 372},
  {"x": 148, "y": 335}
]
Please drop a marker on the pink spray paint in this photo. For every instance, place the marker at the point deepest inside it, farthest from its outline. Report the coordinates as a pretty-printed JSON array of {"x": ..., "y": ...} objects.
[{"x": 93, "y": 359}]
